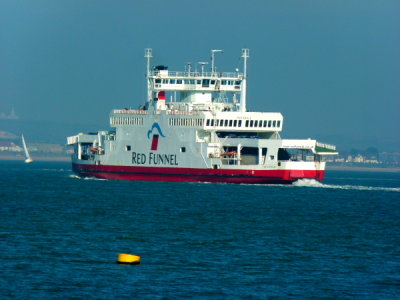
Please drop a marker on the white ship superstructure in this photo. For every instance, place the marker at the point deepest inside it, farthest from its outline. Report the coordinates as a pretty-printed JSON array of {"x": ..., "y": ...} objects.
[{"x": 194, "y": 126}]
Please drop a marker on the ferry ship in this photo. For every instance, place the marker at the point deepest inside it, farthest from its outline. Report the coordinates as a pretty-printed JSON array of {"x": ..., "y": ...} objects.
[{"x": 194, "y": 127}]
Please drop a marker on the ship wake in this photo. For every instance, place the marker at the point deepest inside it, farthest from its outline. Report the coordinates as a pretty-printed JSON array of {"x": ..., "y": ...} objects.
[
  {"x": 316, "y": 184},
  {"x": 84, "y": 178}
]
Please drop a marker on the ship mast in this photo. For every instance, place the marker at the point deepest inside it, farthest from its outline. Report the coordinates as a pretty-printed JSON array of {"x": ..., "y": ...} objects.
[
  {"x": 202, "y": 64},
  {"x": 245, "y": 56},
  {"x": 148, "y": 54},
  {"x": 213, "y": 60}
]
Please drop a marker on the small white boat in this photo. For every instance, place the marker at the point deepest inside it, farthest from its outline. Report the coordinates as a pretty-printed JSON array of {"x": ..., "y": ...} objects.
[{"x": 28, "y": 157}]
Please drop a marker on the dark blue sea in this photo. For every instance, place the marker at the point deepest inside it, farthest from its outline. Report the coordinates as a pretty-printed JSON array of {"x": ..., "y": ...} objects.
[{"x": 61, "y": 235}]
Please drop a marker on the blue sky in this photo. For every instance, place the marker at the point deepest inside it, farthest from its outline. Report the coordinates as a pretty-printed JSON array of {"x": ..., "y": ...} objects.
[{"x": 331, "y": 67}]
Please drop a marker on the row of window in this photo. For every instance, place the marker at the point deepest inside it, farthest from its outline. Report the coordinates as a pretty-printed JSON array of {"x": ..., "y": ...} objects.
[
  {"x": 224, "y": 123},
  {"x": 185, "y": 122},
  {"x": 203, "y": 82},
  {"x": 263, "y": 123},
  {"x": 248, "y": 123},
  {"x": 191, "y": 122},
  {"x": 126, "y": 121}
]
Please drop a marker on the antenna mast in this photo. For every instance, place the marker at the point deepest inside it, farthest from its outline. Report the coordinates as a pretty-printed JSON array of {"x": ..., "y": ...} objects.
[
  {"x": 202, "y": 63},
  {"x": 148, "y": 53},
  {"x": 245, "y": 56},
  {"x": 213, "y": 59}
]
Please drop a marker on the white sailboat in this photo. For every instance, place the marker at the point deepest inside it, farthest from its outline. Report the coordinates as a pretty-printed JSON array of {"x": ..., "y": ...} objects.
[{"x": 28, "y": 157}]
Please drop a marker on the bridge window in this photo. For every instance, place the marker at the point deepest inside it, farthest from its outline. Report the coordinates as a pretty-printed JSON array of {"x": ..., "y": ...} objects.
[
  {"x": 279, "y": 124},
  {"x": 251, "y": 123},
  {"x": 255, "y": 123},
  {"x": 240, "y": 123},
  {"x": 274, "y": 124},
  {"x": 235, "y": 123},
  {"x": 247, "y": 123},
  {"x": 230, "y": 123}
]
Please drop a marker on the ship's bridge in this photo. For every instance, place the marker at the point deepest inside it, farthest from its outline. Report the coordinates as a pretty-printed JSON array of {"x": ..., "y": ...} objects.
[
  {"x": 164, "y": 80},
  {"x": 198, "y": 87}
]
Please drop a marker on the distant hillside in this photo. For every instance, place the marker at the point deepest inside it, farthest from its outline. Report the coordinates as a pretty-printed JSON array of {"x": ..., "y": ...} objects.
[{"x": 44, "y": 132}]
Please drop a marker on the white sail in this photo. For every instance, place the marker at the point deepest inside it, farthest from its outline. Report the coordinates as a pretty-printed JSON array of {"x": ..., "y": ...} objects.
[{"x": 28, "y": 157}]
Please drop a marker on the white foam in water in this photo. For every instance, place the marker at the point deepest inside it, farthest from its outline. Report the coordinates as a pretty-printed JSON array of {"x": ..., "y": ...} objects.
[
  {"x": 308, "y": 182},
  {"x": 85, "y": 178},
  {"x": 317, "y": 184}
]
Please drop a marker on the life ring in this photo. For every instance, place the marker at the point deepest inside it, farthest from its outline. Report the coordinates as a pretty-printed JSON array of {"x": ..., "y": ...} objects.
[{"x": 230, "y": 153}]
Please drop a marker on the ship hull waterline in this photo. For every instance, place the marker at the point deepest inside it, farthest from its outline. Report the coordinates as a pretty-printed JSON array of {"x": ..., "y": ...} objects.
[{"x": 195, "y": 175}]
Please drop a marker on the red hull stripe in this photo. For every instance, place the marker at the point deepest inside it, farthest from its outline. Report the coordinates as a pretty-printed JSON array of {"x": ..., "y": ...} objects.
[{"x": 193, "y": 175}]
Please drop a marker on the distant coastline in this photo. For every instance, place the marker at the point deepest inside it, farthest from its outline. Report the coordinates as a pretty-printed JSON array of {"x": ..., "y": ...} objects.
[
  {"x": 365, "y": 169},
  {"x": 36, "y": 158}
]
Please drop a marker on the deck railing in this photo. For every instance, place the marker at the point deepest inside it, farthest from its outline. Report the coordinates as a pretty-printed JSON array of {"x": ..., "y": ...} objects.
[
  {"x": 130, "y": 111},
  {"x": 179, "y": 74}
]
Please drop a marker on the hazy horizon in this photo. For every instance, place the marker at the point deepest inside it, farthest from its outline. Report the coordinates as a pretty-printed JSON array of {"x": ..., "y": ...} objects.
[{"x": 331, "y": 68}]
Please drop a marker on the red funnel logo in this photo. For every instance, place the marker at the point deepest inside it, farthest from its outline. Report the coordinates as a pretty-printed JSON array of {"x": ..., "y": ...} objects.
[{"x": 154, "y": 141}]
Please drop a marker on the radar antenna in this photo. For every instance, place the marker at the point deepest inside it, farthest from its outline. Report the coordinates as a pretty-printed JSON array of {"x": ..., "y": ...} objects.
[
  {"x": 202, "y": 64},
  {"x": 213, "y": 70}
]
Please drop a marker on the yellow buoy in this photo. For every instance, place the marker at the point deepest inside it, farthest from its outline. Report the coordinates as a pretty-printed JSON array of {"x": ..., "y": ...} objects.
[{"x": 128, "y": 259}]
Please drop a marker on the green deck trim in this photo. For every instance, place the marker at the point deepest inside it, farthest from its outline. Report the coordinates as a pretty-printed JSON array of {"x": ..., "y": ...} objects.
[{"x": 320, "y": 150}]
